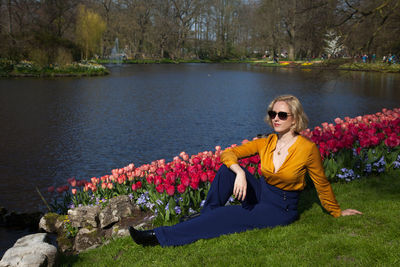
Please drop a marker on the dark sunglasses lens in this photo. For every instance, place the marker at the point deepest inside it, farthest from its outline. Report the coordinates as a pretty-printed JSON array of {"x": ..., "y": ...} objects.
[
  {"x": 282, "y": 115},
  {"x": 271, "y": 114}
]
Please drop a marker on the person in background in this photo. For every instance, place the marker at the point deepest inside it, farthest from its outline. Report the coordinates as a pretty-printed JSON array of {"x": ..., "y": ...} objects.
[{"x": 285, "y": 158}]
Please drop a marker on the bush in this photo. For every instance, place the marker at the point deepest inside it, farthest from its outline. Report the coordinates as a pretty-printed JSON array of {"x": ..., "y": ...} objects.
[
  {"x": 63, "y": 57},
  {"x": 40, "y": 57},
  {"x": 6, "y": 66}
]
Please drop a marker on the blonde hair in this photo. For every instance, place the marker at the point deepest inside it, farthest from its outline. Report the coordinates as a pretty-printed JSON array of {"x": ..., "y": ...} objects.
[{"x": 296, "y": 109}]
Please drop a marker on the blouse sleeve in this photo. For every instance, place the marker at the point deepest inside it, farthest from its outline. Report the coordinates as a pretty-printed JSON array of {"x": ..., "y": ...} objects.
[
  {"x": 322, "y": 185},
  {"x": 231, "y": 155}
]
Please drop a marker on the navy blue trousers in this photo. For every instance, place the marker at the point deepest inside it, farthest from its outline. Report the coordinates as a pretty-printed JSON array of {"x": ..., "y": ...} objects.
[{"x": 264, "y": 206}]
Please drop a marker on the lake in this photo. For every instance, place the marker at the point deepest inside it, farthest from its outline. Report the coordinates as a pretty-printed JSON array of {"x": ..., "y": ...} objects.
[{"x": 57, "y": 128}]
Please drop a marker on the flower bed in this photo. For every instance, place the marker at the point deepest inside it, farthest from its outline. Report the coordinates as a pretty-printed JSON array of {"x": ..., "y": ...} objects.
[
  {"x": 29, "y": 68},
  {"x": 351, "y": 148}
]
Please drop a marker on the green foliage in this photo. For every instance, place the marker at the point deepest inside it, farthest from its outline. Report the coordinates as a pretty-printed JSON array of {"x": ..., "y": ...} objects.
[
  {"x": 316, "y": 239},
  {"x": 70, "y": 231},
  {"x": 382, "y": 67},
  {"x": 40, "y": 57},
  {"x": 89, "y": 31},
  {"x": 6, "y": 66},
  {"x": 63, "y": 57},
  {"x": 30, "y": 68},
  {"x": 347, "y": 165}
]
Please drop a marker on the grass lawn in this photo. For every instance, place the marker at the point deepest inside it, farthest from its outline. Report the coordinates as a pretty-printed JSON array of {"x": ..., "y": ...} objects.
[{"x": 316, "y": 239}]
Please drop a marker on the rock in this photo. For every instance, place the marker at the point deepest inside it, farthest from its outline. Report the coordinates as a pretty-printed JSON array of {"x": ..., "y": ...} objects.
[
  {"x": 51, "y": 223},
  {"x": 83, "y": 216},
  {"x": 93, "y": 225},
  {"x": 117, "y": 208},
  {"x": 31, "y": 250},
  {"x": 87, "y": 239}
]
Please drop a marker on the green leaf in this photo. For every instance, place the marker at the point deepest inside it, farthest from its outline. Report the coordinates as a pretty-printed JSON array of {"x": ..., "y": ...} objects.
[
  {"x": 171, "y": 205},
  {"x": 167, "y": 216}
]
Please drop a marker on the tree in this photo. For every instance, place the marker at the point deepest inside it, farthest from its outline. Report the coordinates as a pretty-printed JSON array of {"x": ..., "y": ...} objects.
[
  {"x": 89, "y": 30},
  {"x": 333, "y": 44}
]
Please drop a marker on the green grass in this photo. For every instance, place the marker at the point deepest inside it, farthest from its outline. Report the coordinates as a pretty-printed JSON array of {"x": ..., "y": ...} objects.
[
  {"x": 383, "y": 67},
  {"x": 316, "y": 239}
]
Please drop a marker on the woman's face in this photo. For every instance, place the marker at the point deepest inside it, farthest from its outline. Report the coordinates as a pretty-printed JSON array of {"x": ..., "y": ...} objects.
[{"x": 282, "y": 126}]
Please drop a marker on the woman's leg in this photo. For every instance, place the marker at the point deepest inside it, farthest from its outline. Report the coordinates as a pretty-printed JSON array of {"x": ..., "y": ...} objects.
[
  {"x": 222, "y": 187},
  {"x": 217, "y": 219},
  {"x": 224, "y": 220}
]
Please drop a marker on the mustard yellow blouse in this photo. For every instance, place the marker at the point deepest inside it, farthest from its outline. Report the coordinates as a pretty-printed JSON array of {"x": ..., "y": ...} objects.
[{"x": 302, "y": 156}]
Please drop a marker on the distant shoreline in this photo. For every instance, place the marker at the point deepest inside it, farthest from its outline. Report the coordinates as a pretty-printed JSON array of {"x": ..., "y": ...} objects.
[
  {"x": 335, "y": 64},
  {"x": 12, "y": 69},
  {"x": 98, "y": 68}
]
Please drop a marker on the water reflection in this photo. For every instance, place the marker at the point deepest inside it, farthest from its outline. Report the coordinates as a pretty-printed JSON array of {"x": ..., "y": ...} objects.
[{"x": 53, "y": 129}]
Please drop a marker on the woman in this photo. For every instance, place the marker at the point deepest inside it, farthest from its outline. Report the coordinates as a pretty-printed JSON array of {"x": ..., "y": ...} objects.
[{"x": 285, "y": 158}]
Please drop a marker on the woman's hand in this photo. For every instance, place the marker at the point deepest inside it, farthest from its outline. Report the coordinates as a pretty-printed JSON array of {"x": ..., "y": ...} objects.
[
  {"x": 240, "y": 186},
  {"x": 348, "y": 212}
]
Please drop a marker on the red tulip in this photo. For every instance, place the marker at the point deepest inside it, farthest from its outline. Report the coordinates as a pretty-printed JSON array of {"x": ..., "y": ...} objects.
[
  {"x": 170, "y": 190},
  {"x": 203, "y": 177},
  {"x": 194, "y": 184},
  {"x": 185, "y": 180},
  {"x": 160, "y": 188},
  {"x": 181, "y": 188},
  {"x": 392, "y": 140}
]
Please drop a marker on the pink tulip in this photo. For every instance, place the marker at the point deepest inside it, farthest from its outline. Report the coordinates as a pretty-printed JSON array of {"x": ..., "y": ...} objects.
[{"x": 73, "y": 190}]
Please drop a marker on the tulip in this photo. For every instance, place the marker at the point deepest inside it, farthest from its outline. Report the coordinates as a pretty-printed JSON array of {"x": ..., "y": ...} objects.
[
  {"x": 160, "y": 171},
  {"x": 73, "y": 190},
  {"x": 51, "y": 189},
  {"x": 160, "y": 188},
  {"x": 181, "y": 188},
  {"x": 170, "y": 190}
]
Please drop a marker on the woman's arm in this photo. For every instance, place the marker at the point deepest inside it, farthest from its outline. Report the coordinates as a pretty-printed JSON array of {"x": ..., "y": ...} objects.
[
  {"x": 323, "y": 187},
  {"x": 230, "y": 158},
  {"x": 231, "y": 155}
]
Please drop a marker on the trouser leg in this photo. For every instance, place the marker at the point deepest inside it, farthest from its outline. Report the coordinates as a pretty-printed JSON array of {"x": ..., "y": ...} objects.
[
  {"x": 223, "y": 220},
  {"x": 222, "y": 188}
]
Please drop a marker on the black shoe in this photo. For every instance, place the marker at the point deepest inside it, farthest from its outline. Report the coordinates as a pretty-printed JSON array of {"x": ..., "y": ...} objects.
[{"x": 144, "y": 238}]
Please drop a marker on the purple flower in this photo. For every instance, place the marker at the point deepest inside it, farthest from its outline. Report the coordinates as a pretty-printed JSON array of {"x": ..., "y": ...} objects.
[{"x": 177, "y": 210}]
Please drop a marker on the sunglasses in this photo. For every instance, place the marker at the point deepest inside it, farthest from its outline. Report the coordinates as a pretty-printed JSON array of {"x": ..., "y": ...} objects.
[{"x": 281, "y": 115}]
